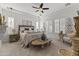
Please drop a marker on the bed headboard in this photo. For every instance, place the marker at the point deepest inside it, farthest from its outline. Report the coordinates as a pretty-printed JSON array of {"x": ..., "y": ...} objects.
[{"x": 25, "y": 28}]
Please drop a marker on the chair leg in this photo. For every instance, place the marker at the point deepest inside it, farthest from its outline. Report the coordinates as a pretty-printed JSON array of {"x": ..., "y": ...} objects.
[
  {"x": 28, "y": 45},
  {"x": 49, "y": 43}
]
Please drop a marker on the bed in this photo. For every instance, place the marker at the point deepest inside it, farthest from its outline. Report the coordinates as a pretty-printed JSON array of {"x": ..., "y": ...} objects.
[{"x": 27, "y": 34}]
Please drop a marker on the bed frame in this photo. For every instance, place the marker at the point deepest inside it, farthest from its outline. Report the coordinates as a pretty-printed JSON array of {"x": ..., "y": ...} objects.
[{"x": 24, "y": 27}]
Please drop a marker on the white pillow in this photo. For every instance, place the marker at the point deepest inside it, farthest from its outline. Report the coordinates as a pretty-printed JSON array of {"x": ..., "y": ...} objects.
[{"x": 22, "y": 35}]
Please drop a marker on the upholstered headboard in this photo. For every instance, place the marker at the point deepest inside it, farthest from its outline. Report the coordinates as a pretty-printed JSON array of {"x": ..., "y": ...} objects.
[{"x": 25, "y": 28}]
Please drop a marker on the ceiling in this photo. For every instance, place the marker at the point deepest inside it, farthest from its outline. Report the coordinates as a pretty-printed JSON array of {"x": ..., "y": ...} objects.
[{"x": 27, "y": 7}]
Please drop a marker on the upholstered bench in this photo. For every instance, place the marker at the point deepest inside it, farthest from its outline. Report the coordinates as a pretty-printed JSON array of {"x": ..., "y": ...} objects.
[{"x": 40, "y": 43}]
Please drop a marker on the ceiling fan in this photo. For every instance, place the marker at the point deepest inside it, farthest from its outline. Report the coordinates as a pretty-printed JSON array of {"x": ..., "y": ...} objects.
[
  {"x": 67, "y": 4},
  {"x": 40, "y": 8}
]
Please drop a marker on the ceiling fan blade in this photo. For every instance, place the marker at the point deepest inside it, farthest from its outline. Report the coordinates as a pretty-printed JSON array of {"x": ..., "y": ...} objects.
[
  {"x": 45, "y": 8},
  {"x": 41, "y": 5},
  {"x": 36, "y": 10},
  {"x": 35, "y": 7},
  {"x": 42, "y": 11},
  {"x": 67, "y": 4}
]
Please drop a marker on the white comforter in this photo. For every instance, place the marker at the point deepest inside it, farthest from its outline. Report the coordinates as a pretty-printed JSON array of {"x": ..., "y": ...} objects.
[{"x": 25, "y": 38}]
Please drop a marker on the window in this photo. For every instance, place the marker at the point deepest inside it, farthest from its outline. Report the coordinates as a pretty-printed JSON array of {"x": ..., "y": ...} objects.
[
  {"x": 41, "y": 25},
  {"x": 60, "y": 25},
  {"x": 10, "y": 24},
  {"x": 46, "y": 26},
  {"x": 57, "y": 26},
  {"x": 37, "y": 26},
  {"x": 69, "y": 25}
]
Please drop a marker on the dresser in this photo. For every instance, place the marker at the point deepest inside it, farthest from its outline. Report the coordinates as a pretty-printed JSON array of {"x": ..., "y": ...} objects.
[{"x": 13, "y": 38}]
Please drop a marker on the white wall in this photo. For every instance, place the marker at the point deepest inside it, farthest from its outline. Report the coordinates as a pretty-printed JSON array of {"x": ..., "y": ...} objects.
[
  {"x": 66, "y": 12},
  {"x": 69, "y": 11},
  {"x": 0, "y": 8},
  {"x": 19, "y": 17}
]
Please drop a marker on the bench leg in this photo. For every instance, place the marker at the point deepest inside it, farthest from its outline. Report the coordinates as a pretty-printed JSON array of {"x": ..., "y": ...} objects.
[{"x": 42, "y": 46}]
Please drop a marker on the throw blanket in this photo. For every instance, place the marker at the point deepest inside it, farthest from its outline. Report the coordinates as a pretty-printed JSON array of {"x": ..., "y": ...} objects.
[{"x": 26, "y": 38}]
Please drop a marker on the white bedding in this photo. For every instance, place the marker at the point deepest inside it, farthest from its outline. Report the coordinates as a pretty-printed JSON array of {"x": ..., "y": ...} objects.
[{"x": 25, "y": 37}]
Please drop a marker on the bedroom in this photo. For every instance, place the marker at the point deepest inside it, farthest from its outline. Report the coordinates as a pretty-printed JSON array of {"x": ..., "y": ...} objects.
[{"x": 32, "y": 19}]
